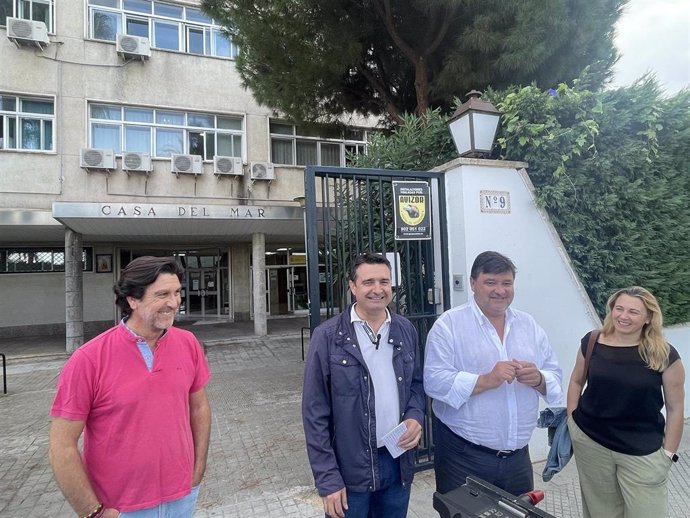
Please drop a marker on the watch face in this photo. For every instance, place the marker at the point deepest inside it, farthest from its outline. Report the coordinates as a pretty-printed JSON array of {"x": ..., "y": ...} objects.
[{"x": 674, "y": 458}]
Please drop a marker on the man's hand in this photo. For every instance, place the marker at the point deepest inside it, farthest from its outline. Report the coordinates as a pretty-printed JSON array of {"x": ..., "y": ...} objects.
[
  {"x": 528, "y": 373},
  {"x": 503, "y": 371},
  {"x": 110, "y": 513},
  {"x": 334, "y": 505},
  {"x": 412, "y": 435}
]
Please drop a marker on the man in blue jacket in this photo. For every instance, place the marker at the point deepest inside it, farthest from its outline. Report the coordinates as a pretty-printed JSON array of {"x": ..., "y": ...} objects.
[{"x": 362, "y": 379}]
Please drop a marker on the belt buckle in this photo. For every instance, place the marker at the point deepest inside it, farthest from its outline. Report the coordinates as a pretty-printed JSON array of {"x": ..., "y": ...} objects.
[{"x": 504, "y": 453}]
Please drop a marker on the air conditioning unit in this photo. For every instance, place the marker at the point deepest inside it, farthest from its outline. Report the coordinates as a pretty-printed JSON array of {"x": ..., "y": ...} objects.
[
  {"x": 262, "y": 171},
  {"x": 27, "y": 32},
  {"x": 227, "y": 165},
  {"x": 187, "y": 164},
  {"x": 136, "y": 162},
  {"x": 133, "y": 47},
  {"x": 90, "y": 158}
]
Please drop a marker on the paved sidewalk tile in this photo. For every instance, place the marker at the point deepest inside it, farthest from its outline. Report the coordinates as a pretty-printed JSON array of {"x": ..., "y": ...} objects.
[{"x": 257, "y": 460}]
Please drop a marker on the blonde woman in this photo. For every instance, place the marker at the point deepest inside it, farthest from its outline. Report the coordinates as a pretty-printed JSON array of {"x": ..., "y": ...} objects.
[{"x": 622, "y": 444}]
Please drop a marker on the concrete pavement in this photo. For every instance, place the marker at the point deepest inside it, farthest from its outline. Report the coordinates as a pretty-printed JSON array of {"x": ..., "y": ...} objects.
[{"x": 257, "y": 460}]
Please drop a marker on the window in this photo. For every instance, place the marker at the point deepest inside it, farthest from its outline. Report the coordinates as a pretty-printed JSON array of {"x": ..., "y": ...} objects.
[
  {"x": 137, "y": 27},
  {"x": 26, "y": 123},
  {"x": 37, "y": 10},
  {"x": 161, "y": 133},
  {"x": 195, "y": 40},
  {"x": 105, "y": 25},
  {"x": 292, "y": 145},
  {"x": 168, "y": 26},
  {"x": 40, "y": 260}
]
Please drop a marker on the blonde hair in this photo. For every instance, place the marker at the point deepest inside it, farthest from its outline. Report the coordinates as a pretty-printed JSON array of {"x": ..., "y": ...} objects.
[{"x": 654, "y": 349}]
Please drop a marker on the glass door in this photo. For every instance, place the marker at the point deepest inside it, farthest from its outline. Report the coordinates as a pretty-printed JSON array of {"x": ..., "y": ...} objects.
[
  {"x": 202, "y": 292},
  {"x": 286, "y": 289},
  {"x": 298, "y": 300}
]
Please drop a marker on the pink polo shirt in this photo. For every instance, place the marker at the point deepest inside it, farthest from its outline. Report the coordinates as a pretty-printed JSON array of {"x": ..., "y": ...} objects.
[{"x": 138, "y": 445}]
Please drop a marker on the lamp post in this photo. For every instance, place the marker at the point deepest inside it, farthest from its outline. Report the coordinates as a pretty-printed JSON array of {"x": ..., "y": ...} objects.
[
  {"x": 303, "y": 205},
  {"x": 474, "y": 125},
  {"x": 302, "y": 200}
]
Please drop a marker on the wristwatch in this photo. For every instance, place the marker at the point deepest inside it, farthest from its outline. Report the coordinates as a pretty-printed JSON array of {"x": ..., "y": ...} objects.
[{"x": 673, "y": 456}]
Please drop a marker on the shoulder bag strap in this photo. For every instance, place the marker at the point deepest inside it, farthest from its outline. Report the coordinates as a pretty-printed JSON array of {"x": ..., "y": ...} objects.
[{"x": 590, "y": 348}]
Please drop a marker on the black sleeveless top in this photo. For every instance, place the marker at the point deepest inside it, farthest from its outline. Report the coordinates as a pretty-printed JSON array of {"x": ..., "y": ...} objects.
[{"x": 621, "y": 406}]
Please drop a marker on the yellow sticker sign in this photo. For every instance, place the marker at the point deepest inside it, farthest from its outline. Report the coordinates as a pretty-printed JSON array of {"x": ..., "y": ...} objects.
[{"x": 412, "y": 216}]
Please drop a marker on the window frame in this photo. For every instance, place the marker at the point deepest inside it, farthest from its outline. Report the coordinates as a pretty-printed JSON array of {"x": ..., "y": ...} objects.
[
  {"x": 15, "y": 9},
  {"x": 56, "y": 267},
  {"x": 189, "y": 20},
  {"x": 18, "y": 115},
  {"x": 187, "y": 129},
  {"x": 294, "y": 137}
]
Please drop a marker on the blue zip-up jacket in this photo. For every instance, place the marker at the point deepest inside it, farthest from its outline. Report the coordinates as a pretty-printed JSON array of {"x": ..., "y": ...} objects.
[
  {"x": 556, "y": 420},
  {"x": 338, "y": 409}
]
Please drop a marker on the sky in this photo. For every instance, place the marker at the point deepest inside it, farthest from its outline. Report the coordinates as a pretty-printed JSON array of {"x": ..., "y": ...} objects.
[{"x": 654, "y": 35}]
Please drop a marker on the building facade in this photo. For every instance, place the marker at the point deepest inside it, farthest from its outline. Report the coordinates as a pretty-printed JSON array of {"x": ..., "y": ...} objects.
[{"x": 125, "y": 131}]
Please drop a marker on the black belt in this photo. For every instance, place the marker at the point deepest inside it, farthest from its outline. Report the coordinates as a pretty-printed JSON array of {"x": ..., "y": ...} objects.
[{"x": 498, "y": 453}]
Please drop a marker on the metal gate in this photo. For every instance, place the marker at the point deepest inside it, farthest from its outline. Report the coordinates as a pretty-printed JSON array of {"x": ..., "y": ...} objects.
[{"x": 350, "y": 211}]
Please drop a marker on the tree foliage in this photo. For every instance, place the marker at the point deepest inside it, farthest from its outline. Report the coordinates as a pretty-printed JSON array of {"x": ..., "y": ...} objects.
[
  {"x": 609, "y": 167},
  {"x": 417, "y": 144},
  {"x": 314, "y": 60}
]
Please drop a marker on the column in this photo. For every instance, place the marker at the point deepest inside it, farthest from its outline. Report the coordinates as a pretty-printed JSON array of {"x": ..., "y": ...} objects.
[
  {"x": 259, "y": 283},
  {"x": 231, "y": 281},
  {"x": 74, "y": 291},
  {"x": 241, "y": 282}
]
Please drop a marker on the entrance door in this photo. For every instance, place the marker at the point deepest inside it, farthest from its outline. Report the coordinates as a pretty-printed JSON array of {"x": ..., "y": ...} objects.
[
  {"x": 203, "y": 295},
  {"x": 297, "y": 286},
  {"x": 286, "y": 290}
]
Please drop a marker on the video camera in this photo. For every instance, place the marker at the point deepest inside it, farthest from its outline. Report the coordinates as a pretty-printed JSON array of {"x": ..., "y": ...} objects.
[{"x": 479, "y": 499}]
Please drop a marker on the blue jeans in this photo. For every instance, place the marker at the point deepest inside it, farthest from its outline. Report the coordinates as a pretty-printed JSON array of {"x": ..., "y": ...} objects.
[
  {"x": 180, "y": 508},
  {"x": 389, "y": 501}
]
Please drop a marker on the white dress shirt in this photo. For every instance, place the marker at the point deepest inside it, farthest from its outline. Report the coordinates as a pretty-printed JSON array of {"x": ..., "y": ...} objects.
[
  {"x": 380, "y": 365},
  {"x": 462, "y": 345}
]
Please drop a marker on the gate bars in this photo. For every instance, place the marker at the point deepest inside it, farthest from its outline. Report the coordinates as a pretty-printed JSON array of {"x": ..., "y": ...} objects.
[{"x": 349, "y": 211}]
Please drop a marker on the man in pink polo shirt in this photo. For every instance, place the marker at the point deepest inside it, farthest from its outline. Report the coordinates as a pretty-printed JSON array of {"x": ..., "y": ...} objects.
[{"x": 137, "y": 394}]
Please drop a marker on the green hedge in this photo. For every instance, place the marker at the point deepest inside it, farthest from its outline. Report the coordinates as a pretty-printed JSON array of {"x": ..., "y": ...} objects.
[{"x": 611, "y": 169}]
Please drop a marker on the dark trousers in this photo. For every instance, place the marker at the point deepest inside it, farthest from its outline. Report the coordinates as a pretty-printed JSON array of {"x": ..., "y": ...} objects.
[
  {"x": 389, "y": 501},
  {"x": 455, "y": 459}
]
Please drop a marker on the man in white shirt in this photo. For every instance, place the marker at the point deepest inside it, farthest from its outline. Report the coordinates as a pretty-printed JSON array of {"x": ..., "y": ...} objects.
[{"x": 486, "y": 365}]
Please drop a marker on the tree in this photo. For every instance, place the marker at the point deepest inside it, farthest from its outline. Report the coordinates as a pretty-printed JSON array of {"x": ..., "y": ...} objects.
[{"x": 314, "y": 60}]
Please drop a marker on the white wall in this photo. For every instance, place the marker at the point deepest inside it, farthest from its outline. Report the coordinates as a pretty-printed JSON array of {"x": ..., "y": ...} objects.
[
  {"x": 40, "y": 298},
  {"x": 679, "y": 337}
]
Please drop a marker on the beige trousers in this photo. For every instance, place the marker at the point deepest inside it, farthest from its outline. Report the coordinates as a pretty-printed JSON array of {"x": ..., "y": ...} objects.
[{"x": 616, "y": 485}]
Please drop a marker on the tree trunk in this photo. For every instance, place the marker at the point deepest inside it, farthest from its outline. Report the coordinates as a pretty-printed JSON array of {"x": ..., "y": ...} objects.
[{"x": 421, "y": 86}]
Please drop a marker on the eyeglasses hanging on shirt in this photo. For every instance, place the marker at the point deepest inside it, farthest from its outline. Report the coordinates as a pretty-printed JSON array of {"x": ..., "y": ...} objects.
[{"x": 375, "y": 339}]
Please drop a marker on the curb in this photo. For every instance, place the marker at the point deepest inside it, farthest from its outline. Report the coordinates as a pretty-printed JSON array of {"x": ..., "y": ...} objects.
[{"x": 250, "y": 338}]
